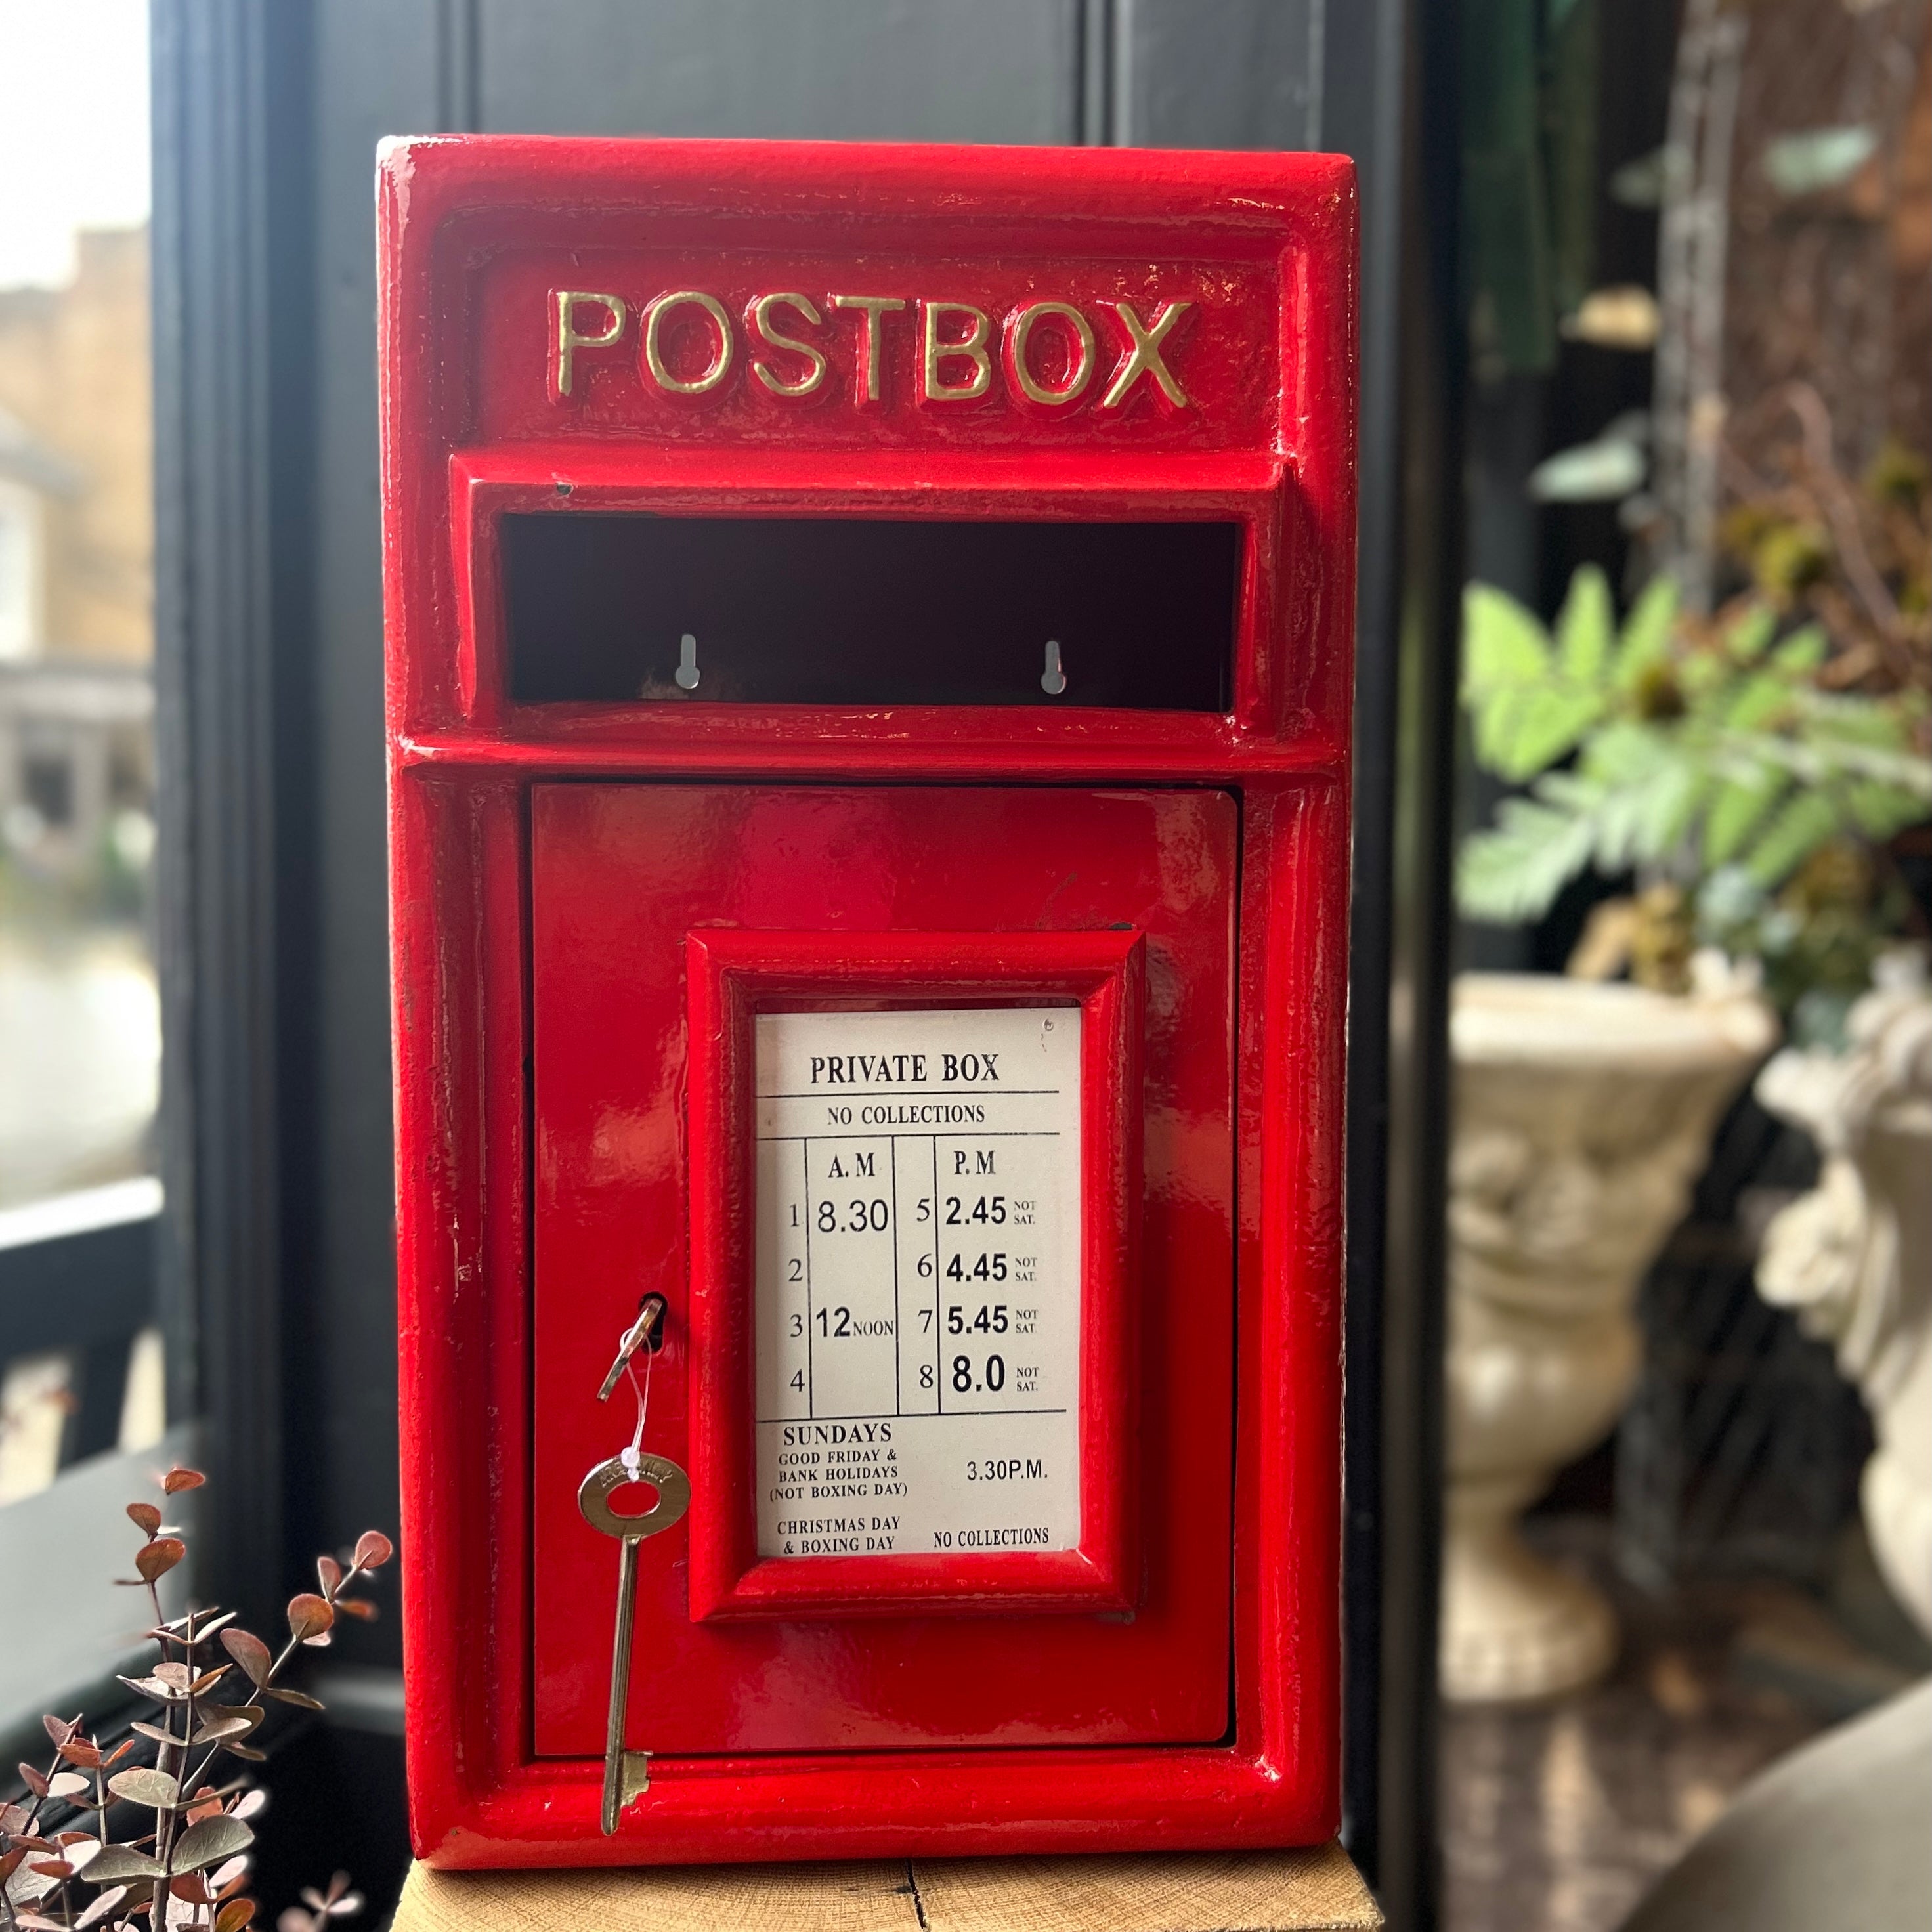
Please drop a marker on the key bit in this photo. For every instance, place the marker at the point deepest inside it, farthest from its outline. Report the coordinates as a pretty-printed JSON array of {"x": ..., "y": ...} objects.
[{"x": 646, "y": 1333}]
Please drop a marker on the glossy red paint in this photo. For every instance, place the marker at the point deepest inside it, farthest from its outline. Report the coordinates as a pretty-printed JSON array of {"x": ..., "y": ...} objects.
[
  {"x": 620, "y": 874},
  {"x": 573, "y": 963}
]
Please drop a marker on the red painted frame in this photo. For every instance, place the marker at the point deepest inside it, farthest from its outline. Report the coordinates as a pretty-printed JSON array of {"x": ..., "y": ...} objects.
[
  {"x": 461, "y": 763},
  {"x": 731, "y": 977},
  {"x": 783, "y": 483}
]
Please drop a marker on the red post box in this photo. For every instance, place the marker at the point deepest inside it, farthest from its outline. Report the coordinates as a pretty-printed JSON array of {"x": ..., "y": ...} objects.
[{"x": 869, "y": 675}]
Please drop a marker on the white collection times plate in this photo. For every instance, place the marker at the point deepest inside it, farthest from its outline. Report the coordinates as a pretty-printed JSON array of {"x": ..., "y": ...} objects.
[{"x": 918, "y": 1281}]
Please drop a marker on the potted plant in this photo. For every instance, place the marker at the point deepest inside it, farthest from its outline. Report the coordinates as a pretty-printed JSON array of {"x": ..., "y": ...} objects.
[
  {"x": 1750, "y": 806},
  {"x": 144, "y": 1826}
]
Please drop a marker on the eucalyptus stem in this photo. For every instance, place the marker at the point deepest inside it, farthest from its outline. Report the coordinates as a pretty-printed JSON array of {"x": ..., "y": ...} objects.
[{"x": 134, "y": 1881}]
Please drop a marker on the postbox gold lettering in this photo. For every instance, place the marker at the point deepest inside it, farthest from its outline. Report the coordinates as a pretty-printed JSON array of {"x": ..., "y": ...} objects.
[
  {"x": 759, "y": 323},
  {"x": 869, "y": 392},
  {"x": 1146, "y": 338},
  {"x": 1020, "y": 327},
  {"x": 940, "y": 349},
  {"x": 567, "y": 338},
  {"x": 1047, "y": 356},
  {"x": 658, "y": 321}
]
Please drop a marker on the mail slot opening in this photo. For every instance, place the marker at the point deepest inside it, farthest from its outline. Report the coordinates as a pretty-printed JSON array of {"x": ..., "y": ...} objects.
[{"x": 612, "y": 607}]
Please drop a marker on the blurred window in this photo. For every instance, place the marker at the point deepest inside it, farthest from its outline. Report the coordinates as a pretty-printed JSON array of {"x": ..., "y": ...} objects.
[
  {"x": 80, "y": 1359},
  {"x": 16, "y": 569}
]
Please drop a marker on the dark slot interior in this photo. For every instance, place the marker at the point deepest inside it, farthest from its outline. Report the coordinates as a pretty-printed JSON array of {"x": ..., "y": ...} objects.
[{"x": 820, "y": 610}]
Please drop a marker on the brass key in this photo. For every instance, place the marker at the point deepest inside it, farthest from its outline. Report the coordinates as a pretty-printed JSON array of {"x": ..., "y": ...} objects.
[{"x": 627, "y": 1774}]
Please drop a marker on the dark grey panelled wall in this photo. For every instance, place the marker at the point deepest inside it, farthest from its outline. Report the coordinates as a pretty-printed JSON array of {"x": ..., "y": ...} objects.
[
  {"x": 309, "y": 86},
  {"x": 1216, "y": 74},
  {"x": 1220, "y": 73},
  {"x": 1003, "y": 70}
]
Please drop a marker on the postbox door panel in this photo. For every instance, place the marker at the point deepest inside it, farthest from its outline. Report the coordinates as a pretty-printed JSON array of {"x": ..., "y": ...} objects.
[{"x": 626, "y": 879}]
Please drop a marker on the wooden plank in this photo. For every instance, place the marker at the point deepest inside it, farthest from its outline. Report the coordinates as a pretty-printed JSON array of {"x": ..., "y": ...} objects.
[
  {"x": 1314, "y": 1890},
  {"x": 1187, "y": 1891},
  {"x": 875, "y": 1897}
]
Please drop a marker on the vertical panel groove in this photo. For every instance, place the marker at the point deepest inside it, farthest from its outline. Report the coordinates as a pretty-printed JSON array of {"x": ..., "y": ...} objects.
[
  {"x": 458, "y": 110},
  {"x": 220, "y": 1274}
]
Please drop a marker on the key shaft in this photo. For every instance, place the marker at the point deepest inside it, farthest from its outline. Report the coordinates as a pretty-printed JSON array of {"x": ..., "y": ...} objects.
[
  {"x": 615, "y": 1797},
  {"x": 627, "y": 1773}
]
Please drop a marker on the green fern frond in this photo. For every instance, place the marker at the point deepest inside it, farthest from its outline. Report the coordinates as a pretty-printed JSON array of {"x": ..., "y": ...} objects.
[
  {"x": 1586, "y": 628},
  {"x": 1527, "y": 709},
  {"x": 1737, "y": 809},
  {"x": 1511, "y": 874},
  {"x": 1686, "y": 760},
  {"x": 1804, "y": 822},
  {"x": 1646, "y": 634}
]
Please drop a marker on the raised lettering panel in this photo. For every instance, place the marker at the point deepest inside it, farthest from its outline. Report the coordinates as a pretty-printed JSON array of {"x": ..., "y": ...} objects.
[{"x": 1182, "y": 357}]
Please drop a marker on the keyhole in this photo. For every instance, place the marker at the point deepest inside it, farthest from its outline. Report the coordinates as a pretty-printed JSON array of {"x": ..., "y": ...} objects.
[
  {"x": 1053, "y": 679},
  {"x": 686, "y": 672}
]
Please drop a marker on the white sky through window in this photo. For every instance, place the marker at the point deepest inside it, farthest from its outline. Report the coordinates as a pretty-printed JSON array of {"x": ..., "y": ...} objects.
[{"x": 73, "y": 129}]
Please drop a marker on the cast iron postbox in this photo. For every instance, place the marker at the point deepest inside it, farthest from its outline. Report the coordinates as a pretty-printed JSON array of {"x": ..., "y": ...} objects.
[{"x": 868, "y": 673}]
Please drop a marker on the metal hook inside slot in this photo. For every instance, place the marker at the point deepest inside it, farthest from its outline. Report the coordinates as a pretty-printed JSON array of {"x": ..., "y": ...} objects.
[
  {"x": 1053, "y": 679},
  {"x": 687, "y": 673}
]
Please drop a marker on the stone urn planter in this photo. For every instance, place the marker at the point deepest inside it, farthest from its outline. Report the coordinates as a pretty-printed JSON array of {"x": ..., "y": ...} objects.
[
  {"x": 1583, "y": 1114},
  {"x": 1854, "y": 1256}
]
